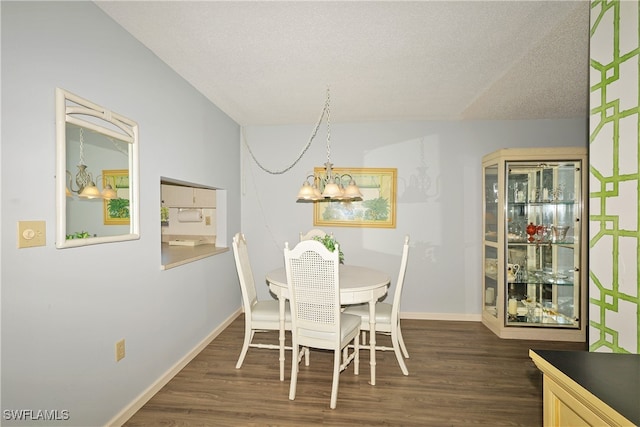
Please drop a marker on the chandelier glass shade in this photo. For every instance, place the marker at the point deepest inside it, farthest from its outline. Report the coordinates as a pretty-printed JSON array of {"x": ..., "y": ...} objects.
[
  {"x": 328, "y": 185},
  {"x": 334, "y": 187},
  {"x": 109, "y": 193}
]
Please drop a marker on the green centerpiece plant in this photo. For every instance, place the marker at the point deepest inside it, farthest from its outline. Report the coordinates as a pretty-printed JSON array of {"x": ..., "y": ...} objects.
[{"x": 330, "y": 243}]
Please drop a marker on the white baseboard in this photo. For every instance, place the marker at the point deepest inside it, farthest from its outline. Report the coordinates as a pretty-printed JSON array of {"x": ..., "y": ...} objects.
[
  {"x": 443, "y": 316},
  {"x": 133, "y": 407}
]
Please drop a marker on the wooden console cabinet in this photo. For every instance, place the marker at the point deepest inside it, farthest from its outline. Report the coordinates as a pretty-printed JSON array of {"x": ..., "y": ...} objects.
[{"x": 589, "y": 389}]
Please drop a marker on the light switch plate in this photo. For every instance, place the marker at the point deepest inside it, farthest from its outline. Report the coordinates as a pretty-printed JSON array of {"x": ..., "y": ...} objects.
[
  {"x": 120, "y": 352},
  {"x": 31, "y": 234}
]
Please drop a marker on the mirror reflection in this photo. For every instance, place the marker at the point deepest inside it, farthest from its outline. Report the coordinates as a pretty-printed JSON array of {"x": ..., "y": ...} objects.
[{"x": 96, "y": 174}]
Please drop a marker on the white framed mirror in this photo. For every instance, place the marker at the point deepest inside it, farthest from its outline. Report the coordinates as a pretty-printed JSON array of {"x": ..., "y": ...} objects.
[{"x": 97, "y": 178}]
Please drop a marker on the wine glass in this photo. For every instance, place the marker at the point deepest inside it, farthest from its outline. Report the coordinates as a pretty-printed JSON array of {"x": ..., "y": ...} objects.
[{"x": 541, "y": 232}]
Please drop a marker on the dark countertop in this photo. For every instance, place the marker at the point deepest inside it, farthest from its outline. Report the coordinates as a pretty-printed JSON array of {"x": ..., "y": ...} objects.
[{"x": 612, "y": 377}]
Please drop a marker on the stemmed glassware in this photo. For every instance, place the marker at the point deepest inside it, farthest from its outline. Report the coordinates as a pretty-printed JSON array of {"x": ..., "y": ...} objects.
[
  {"x": 531, "y": 305},
  {"x": 541, "y": 233}
]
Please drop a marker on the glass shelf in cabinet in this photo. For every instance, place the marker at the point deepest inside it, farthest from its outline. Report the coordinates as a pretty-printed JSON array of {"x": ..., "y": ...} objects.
[
  {"x": 546, "y": 278},
  {"x": 567, "y": 243},
  {"x": 541, "y": 316},
  {"x": 491, "y": 236},
  {"x": 544, "y": 202}
]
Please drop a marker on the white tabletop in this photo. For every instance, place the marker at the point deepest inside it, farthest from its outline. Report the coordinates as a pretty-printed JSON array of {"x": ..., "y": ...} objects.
[{"x": 356, "y": 282}]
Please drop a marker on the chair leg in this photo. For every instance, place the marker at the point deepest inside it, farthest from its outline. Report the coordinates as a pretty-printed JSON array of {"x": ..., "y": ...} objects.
[
  {"x": 304, "y": 354},
  {"x": 396, "y": 350},
  {"x": 294, "y": 371},
  {"x": 248, "y": 337},
  {"x": 356, "y": 356},
  {"x": 336, "y": 379},
  {"x": 401, "y": 341}
]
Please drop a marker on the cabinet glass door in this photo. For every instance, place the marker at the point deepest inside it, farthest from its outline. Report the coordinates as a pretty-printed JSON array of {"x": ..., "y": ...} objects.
[
  {"x": 543, "y": 249},
  {"x": 491, "y": 272},
  {"x": 491, "y": 203},
  {"x": 490, "y": 256}
]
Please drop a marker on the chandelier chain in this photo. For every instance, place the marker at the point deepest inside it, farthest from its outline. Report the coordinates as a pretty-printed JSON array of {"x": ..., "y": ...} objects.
[
  {"x": 81, "y": 146},
  {"x": 325, "y": 110},
  {"x": 326, "y": 107}
]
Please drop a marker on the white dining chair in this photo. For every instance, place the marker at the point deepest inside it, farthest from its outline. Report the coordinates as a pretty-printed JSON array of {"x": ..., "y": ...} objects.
[
  {"x": 387, "y": 316},
  {"x": 317, "y": 321},
  {"x": 258, "y": 315},
  {"x": 316, "y": 232}
]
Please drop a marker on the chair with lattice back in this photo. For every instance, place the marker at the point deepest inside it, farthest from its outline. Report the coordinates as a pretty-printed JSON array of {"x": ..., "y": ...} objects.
[
  {"x": 316, "y": 318},
  {"x": 387, "y": 316},
  {"x": 258, "y": 315}
]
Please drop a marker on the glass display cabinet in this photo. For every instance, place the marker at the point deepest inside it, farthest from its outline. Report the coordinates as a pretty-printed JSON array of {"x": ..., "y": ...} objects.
[{"x": 534, "y": 270}]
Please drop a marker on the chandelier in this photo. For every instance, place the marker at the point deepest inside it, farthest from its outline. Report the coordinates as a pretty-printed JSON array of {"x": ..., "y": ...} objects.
[
  {"x": 84, "y": 180},
  {"x": 328, "y": 185}
]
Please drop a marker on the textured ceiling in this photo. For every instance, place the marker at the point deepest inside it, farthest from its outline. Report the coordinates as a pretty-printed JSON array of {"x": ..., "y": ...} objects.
[{"x": 270, "y": 62}]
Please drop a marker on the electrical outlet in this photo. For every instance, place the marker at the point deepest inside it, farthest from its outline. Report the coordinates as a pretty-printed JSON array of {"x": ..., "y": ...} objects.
[
  {"x": 31, "y": 234},
  {"x": 207, "y": 220},
  {"x": 120, "y": 350}
]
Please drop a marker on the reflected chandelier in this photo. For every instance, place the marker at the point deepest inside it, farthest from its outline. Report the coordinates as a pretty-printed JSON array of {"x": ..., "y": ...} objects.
[{"x": 84, "y": 180}]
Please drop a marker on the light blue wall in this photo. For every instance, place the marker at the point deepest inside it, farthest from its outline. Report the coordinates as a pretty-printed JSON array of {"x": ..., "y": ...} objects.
[
  {"x": 445, "y": 261},
  {"x": 63, "y": 310}
]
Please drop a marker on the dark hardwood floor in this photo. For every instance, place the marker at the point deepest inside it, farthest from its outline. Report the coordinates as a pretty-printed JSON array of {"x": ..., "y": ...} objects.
[{"x": 460, "y": 374}]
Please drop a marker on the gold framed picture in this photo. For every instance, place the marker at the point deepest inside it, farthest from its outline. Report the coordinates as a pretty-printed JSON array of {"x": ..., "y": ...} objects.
[
  {"x": 116, "y": 211},
  {"x": 377, "y": 207}
]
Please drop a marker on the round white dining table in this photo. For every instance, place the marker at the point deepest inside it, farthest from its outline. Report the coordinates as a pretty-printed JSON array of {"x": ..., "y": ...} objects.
[{"x": 357, "y": 285}]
